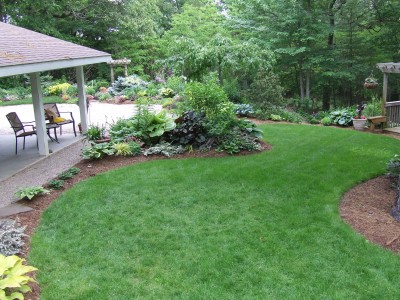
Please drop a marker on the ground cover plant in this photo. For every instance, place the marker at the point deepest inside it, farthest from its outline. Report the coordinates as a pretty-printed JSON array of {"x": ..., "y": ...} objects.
[{"x": 261, "y": 226}]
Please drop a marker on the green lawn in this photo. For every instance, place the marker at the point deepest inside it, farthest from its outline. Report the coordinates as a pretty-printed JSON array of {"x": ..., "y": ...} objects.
[
  {"x": 264, "y": 226},
  {"x": 49, "y": 99}
]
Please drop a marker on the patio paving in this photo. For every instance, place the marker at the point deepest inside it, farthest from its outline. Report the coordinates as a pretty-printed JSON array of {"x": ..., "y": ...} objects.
[{"x": 28, "y": 168}]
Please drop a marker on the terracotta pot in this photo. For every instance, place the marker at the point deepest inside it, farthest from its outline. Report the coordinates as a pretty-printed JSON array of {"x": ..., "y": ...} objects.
[{"x": 359, "y": 124}]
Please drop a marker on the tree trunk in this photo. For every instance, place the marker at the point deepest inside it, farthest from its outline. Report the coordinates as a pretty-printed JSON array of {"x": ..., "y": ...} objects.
[
  {"x": 308, "y": 79},
  {"x": 301, "y": 84},
  {"x": 326, "y": 98}
]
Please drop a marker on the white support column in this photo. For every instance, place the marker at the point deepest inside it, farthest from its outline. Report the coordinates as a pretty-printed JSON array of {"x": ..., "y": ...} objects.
[
  {"x": 39, "y": 114},
  {"x": 384, "y": 92},
  {"x": 80, "y": 80}
]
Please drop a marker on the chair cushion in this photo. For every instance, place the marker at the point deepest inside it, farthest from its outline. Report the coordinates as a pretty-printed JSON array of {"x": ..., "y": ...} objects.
[{"x": 59, "y": 120}]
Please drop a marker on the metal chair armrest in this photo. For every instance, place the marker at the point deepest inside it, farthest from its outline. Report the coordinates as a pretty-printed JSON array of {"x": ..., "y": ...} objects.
[{"x": 67, "y": 112}]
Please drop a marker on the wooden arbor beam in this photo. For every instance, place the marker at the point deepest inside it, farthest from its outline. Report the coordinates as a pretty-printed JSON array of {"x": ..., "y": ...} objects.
[{"x": 119, "y": 62}]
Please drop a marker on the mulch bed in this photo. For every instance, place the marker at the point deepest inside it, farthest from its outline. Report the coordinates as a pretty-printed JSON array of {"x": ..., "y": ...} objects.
[{"x": 366, "y": 207}]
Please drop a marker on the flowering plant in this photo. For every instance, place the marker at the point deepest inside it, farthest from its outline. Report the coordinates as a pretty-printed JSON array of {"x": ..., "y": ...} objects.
[{"x": 359, "y": 110}]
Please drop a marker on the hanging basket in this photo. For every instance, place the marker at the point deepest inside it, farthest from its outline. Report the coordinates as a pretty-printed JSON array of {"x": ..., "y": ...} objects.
[{"x": 370, "y": 83}]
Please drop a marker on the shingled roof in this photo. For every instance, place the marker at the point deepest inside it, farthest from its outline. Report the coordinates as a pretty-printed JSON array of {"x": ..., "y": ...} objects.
[{"x": 24, "y": 51}]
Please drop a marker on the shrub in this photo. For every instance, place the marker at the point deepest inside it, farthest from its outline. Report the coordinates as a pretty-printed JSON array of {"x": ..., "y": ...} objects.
[
  {"x": 58, "y": 89},
  {"x": 56, "y": 184},
  {"x": 90, "y": 90},
  {"x": 276, "y": 117},
  {"x": 326, "y": 121},
  {"x": 103, "y": 96},
  {"x": 165, "y": 149},
  {"x": 71, "y": 90},
  {"x": 30, "y": 192},
  {"x": 266, "y": 90},
  {"x": 97, "y": 151},
  {"x": 314, "y": 121},
  {"x": 189, "y": 130},
  {"x": 97, "y": 84},
  {"x": 393, "y": 166},
  {"x": 176, "y": 83},
  {"x": 167, "y": 93},
  {"x": 13, "y": 278},
  {"x": 209, "y": 99},
  {"x": 11, "y": 237},
  {"x": 244, "y": 110},
  {"x": 130, "y": 82}
]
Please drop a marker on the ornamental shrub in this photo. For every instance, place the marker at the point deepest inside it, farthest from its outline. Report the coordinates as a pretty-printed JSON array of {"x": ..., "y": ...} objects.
[
  {"x": 58, "y": 89},
  {"x": 326, "y": 121},
  {"x": 129, "y": 82},
  {"x": 208, "y": 98}
]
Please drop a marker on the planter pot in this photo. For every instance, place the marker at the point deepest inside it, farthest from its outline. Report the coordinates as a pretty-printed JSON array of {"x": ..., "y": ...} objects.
[
  {"x": 370, "y": 85},
  {"x": 104, "y": 140},
  {"x": 359, "y": 124}
]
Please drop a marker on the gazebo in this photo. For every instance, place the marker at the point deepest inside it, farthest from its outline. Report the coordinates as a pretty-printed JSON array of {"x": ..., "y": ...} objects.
[
  {"x": 390, "y": 109},
  {"x": 23, "y": 51}
]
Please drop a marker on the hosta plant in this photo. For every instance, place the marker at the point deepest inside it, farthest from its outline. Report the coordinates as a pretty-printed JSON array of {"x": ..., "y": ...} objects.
[
  {"x": 342, "y": 117},
  {"x": 122, "y": 149},
  {"x": 11, "y": 237},
  {"x": 13, "y": 278},
  {"x": 97, "y": 151},
  {"x": 165, "y": 149},
  {"x": 244, "y": 110},
  {"x": 30, "y": 192},
  {"x": 56, "y": 184}
]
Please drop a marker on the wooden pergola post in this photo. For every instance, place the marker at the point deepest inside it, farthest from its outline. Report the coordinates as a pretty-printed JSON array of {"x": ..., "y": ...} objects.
[{"x": 119, "y": 62}]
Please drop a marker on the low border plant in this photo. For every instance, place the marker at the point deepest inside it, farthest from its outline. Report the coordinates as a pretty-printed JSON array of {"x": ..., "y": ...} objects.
[
  {"x": 11, "y": 237},
  {"x": 30, "y": 192},
  {"x": 13, "y": 278}
]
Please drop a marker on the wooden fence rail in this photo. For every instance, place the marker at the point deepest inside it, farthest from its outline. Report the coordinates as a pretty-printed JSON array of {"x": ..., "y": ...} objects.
[{"x": 393, "y": 114}]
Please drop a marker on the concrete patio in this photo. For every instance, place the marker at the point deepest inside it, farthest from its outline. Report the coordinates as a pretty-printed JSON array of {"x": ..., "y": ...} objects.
[{"x": 28, "y": 168}]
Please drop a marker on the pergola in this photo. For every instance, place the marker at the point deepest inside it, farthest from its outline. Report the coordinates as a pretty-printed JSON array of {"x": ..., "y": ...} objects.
[
  {"x": 390, "y": 109},
  {"x": 23, "y": 51}
]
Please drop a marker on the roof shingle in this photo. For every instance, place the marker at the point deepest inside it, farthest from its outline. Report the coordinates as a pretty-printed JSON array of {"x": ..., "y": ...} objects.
[{"x": 19, "y": 46}]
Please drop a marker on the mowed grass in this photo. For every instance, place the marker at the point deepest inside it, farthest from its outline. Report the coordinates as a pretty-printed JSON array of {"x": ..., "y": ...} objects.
[
  {"x": 49, "y": 99},
  {"x": 264, "y": 226}
]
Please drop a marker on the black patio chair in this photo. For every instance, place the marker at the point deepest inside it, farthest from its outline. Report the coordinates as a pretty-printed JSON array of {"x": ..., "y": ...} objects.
[
  {"x": 54, "y": 116},
  {"x": 19, "y": 129}
]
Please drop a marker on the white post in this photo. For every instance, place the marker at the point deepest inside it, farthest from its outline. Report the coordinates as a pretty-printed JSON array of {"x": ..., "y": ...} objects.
[
  {"x": 384, "y": 92},
  {"x": 80, "y": 80},
  {"x": 39, "y": 114}
]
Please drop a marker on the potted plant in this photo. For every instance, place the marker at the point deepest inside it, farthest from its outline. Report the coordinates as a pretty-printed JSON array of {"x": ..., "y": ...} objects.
[
  {"x": 360, "y": 121},
  {"x": 370, "y": 82},
  {"x": 96, "y": 134}
]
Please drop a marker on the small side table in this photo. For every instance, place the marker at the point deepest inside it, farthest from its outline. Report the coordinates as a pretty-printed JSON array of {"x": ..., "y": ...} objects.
[
  {"x": 53, "y": 126},
  {"x": 376, "y": 120}
]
